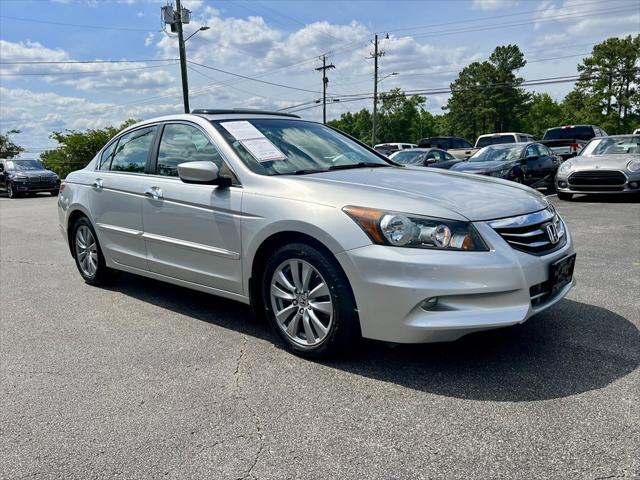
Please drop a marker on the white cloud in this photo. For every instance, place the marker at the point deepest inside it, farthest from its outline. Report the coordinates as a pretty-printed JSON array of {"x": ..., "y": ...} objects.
[
  {"x": 149, "y": 39},
  {"x": 37, "y": 114},
  {"x": 488, "y": 5},
  {"x": 124, "y": 76},
  {"x": 568, "y": 21}
]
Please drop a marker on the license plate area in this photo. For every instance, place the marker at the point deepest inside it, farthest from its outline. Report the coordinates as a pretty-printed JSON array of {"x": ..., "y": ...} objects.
[{"x": 561, "y": 273}]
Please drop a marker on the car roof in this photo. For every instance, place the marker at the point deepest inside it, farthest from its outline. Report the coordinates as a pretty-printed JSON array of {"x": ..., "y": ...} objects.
[
  {"x": 512, "y": 144},
  {"x": 497, "y": 134}
]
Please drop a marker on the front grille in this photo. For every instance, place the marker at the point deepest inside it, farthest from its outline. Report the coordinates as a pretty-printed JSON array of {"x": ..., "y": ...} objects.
[
  {"x": 536, "y": 233},
  {"x": 596, "y": 189},
  {"x": 597, "y": 178}
]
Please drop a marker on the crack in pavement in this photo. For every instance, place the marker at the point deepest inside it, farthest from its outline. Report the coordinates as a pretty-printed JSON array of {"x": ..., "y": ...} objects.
[{"x": 256, "y": 420}]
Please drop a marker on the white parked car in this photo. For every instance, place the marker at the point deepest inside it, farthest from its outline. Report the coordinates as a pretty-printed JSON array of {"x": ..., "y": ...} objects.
[{"x": 324, "y": 236}]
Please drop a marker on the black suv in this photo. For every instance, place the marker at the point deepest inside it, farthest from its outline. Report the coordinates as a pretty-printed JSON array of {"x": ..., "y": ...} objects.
[
  {"x": 568, "y": 140},
  {"x": 444, "y": 143},
  {"x": 19, "y": 177}
]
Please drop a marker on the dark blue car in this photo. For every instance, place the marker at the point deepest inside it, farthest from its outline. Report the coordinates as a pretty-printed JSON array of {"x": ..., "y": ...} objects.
[
  {"x": 425, "y": 157},
  {"x": 530, "y": 163}
]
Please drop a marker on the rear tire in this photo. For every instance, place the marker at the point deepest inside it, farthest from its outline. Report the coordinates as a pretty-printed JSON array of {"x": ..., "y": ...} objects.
[
  {"x": 88, "y": 254},
  {"x": 308, "y": 302},
  {"x": 565, "y": 196}
]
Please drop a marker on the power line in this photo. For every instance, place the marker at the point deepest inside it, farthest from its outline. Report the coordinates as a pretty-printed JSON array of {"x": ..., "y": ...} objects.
[
  {"x": 251, "y": 78},
  {"x": 88, "y": 72},
  {"x": 79, "y": 25},
  {"x": 63, "y": 62}
]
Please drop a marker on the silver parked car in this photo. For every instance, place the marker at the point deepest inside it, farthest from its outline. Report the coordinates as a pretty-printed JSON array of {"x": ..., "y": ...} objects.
[
  {"x": 325, "y": 237},
  {"x": 608, "y": 165}
]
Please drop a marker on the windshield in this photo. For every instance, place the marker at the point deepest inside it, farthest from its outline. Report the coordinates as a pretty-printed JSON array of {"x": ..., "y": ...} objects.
[
  {"x": 498, "y": 153},
  {"x": 569, "y": 133},
  {"x": 494, "y": 140},
  {"x": 613, "y": 146},
  {"x": 408, "y": 157},
  {"x": 275, "y": 146},
  {"x": 23, "y": 165}
]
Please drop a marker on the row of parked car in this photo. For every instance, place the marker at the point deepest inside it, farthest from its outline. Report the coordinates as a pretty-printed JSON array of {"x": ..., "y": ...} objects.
[{"x": 607, "y": 164}]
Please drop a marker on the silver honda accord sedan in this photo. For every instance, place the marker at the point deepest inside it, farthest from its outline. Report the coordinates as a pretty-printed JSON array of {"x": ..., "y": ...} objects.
[{"x": 322, "y": 235}]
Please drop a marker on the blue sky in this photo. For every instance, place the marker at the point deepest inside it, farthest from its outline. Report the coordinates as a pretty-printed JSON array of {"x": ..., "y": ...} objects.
[{"x": 276, "y": 41}]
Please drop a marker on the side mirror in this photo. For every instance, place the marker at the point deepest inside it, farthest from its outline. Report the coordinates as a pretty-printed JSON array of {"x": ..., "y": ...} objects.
[
  {"x": 429, "y": 161},
  {"x": 532, "y": 158},
  {"x": 204, "y": 172}
]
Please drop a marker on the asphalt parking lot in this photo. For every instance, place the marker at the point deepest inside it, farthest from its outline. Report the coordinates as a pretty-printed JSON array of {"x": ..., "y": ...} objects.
[{"x": 148, "y": 380}]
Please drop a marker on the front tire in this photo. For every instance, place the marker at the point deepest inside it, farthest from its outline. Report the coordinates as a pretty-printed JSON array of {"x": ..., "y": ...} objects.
[
  {"x": 88, "y": 254},
  {"x": 308, "y": 301},
  {"x": 565, "y": 196},
  {"x": 11, "y": 191},
  {"x": 54, "y": 193}
]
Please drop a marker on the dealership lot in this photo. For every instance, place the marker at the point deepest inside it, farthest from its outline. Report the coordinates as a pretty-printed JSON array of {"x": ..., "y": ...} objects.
[{"x": 147, "y": 380}]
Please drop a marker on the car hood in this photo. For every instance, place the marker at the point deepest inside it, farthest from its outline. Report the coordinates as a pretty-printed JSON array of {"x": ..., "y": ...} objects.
[
  {"x": 33, "y": 173},
  {"x": 617, "y": 162},
  {"x": 478, "y": 167},
  {"x": 425, "y": 191}
]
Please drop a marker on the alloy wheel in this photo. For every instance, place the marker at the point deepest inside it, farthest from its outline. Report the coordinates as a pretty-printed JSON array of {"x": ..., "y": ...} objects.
[
  {"x": 86, "y": 251},
  {"x": 301, "y": 302},
  {"x": 10, "y": 192}
]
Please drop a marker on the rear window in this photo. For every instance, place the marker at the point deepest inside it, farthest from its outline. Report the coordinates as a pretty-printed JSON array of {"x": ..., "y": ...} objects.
[
  {"x": 494, "y": 140},
  {"x": 568, "y": 133},
  {"x": 461, "y": 143}
]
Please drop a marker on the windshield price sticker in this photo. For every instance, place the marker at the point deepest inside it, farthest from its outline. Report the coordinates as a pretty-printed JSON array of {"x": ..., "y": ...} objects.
[{"x": 254, "y": 141}]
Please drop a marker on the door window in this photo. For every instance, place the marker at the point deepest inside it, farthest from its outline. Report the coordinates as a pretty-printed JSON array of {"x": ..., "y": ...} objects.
[
  {"x": 105, "y": 158},
  {"x": 532, "y": 151},
  {"x": 182, "y": 143},
  {"x": 133, "y": 150}
]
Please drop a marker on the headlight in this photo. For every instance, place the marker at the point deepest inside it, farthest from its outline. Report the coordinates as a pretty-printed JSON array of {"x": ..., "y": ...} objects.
[
  {"x": 414, "y": 231},
  {"x": 499, "y": 173},
  {"x": 565, "y": 167},
  {"x": 633, "y": 166},
  {"x": 19, "y": 177}
]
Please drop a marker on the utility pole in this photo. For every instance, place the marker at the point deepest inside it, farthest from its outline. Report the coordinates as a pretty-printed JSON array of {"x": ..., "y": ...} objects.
[
  {"x": 325, "y": 82},
  {"x": 375, "y": 56},
  {"x": 176, "y": 18},
  {"x": 183, "y": 58}
]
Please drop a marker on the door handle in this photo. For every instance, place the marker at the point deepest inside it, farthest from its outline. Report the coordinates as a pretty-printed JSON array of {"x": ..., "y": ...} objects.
[
  {"x": 97, "y": 183},
  {"x": 153, "y": 192}
]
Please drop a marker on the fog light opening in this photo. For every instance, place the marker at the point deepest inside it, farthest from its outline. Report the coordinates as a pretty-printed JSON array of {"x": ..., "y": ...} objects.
[
  {"x": 562, "y": 184},
  {"x": 429, "y": 304},
  {"x": 633, "y": 184}
]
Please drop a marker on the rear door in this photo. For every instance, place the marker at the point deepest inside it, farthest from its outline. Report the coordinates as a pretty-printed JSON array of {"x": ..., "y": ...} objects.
[
  {"x": 192, "y": 232},
  {"x": 115, "y": 197}
]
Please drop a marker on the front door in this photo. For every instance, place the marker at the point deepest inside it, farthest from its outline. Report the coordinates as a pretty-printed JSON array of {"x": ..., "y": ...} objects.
[
  {"x": 534, "y": 166},
  {"x": 192, "y": 232},
  {"x": 115, "y": 197}
]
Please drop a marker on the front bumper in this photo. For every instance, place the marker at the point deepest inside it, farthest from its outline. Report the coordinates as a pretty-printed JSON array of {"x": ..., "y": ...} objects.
[
  {"x": 475, "y": 290},
  {"x": 28, "y": 187},
  {"x": 631, "y": 184}
]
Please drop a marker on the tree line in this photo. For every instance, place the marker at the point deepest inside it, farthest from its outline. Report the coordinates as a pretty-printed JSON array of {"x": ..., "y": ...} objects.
[
  {"x": 489, "y": 97},
  {"x": 486, "y": 97}
]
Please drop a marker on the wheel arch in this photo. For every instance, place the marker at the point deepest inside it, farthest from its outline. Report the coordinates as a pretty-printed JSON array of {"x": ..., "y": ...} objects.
[
  {"x": 75, "y": 213},
  {"x": 268, "y": 246}
]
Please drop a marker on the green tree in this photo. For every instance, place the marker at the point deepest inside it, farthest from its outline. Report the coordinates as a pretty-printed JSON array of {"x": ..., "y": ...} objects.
[
  {"x": 399, "y": 118},
  {"x": 8, "y": 149},
  {"x": 78, "y": 148},
  {"x": 544, "y": 112},
  {"x": 357, "y": 124},
  {"x": 609, "y": 82},
  {"x": 487, "y": 96}
]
